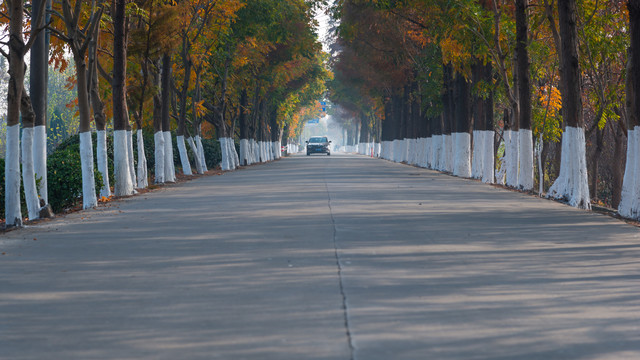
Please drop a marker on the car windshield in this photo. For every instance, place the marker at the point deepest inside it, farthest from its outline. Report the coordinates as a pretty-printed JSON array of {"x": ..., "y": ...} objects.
[{"x": 318, "y": 140}]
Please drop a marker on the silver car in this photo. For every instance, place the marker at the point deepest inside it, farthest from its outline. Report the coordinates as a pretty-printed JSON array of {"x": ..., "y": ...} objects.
[{"x": 318, "y": 144}]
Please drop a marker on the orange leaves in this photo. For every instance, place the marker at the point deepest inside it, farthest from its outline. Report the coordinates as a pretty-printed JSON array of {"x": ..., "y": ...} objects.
[
  {"x": 455, "y": 52},
  {"x": 550, "y": 98},
  {"x": 200, "y": 108},
  {"x": 71, "y": 83}
]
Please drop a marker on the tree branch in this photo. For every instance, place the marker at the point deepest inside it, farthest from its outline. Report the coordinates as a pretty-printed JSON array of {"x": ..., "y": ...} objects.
[{"x": 103, "y": 73}]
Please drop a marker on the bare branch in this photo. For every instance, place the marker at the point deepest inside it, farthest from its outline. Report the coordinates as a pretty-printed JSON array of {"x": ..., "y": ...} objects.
[{"x": 58, "y": 34}]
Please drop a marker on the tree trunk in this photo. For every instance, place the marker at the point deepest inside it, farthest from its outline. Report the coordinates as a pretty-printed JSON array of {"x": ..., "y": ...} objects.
[
  {"x": 572, "y": 183},
  {"x": 245, "y": 146},
  {"x": 619, "y": 157},
  {"x": 629, "y": 203},
  {"x": 38, "y": 90},
  {"x": 446, "y": 162},
  {"x": 182, "y": 115},
  {"x": 525, "y": 136},
  {"x": 169, "y": 169},
  {"x": 461, "y": 136},
  {"x": 99, "y": 117},
  {"x": 89, "y": 198},
  {"x": 595, "y": 163},
  {"x": 122, "y": 171},
  {"x": 158, "y": 135},
  {"x": 13, "y": 215},
  {"x": 28, "y": 171}
]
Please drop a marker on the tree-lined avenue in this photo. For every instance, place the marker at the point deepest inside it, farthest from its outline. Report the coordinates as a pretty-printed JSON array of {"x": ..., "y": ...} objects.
[{"x": 340, "y": 257}]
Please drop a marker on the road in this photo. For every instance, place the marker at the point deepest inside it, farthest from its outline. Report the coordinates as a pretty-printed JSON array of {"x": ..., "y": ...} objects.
[{"x": 323, "y": 257}]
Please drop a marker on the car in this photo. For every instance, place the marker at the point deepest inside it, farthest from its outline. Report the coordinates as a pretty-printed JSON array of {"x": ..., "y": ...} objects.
[{"x": 318, "y": 145}]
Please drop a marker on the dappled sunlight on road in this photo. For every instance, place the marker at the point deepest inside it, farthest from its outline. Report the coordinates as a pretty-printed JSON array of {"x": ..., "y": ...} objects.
[{"x": 243, "y": 265}]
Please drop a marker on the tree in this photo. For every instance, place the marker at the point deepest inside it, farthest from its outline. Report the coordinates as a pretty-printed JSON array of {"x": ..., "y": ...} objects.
[
  {"x": 630, "y": 203},
  {"x": 122, "y": 168},
  {"x": 572, "y": 183},
  {"x": 525, "y": 136},
  {"x": 78, "y": 37},
  {"x": 37, "y": 88},
  {"x": 17, "y": 102}
]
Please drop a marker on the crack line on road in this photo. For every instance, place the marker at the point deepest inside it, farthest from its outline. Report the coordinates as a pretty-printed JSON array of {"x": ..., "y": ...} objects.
[{"x": 345, "y": 309}]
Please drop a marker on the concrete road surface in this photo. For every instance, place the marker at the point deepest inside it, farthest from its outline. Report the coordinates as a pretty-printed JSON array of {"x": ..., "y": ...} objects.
[{"x": 340, "y": 257}]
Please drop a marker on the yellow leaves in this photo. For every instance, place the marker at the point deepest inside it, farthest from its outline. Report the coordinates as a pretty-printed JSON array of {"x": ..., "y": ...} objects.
[
  {"x": 454, "y": 52},
  {"x": 549, "y": 97},
  {"x": 418, "y": 37},
  {"x": 546, "y": 113},
  {"x": 200, "y": 108}
]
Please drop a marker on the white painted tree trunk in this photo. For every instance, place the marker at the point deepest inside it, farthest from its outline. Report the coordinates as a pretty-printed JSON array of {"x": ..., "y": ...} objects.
[
  {"x": 436, "y": 143},
  {"x": 264, "y": 155},
  {"x": 255, "y": 151},
  {"x": 428, "y": 152},
  {"x": 539, "y": 148},
  {"x": 158, "y": 138},
  {"x": 245, "y": 152},
  {"x": 13, "y": 213},
  {"x": 196, "y": 155},
  {"x": 89, "y": 199},
  {"x": 103, "y": 168},
  {"x": 270, "y": 149},
  {"x": 629, "y": 192},
  {"x": 462, "y": 153},
  {"x": 488, "y": 158},
  {"x": 448, "y": 149},
  {"x": 224, "y": 151},
  {"x": 143, "y": 181},
  {"x": 234, "y": 153},
  {"x": 277, "y": 149},
  {"x": 476, "y": 157},
  {"x": 512, "y": 157},
  {"x": 40, "y": 160},
  {"x": 525, "y": 176},
  {"x": 397, "y": 150},
  {"x": 132, "y": 164},
  {"x": 169, "y": 167},
  {"x": 28, "y": 174},
  {"x": 404, "y": 147},
  {"x": 415, "y": 152},
  {"x": 635, "y": 202},
  {"x": 203, "y": 158},
  {"x": 184, "y": 159},
  {"x": 121, "y": 169},
  {"x": 572, "y": 184}
]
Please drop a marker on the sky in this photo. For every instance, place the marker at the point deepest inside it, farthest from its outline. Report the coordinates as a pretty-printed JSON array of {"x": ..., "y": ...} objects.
[{"x": 323, "y": 26}]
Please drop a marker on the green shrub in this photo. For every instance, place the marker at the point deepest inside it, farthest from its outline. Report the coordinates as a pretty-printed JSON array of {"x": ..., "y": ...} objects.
[
  {"x": 212, "y": 152},
  {"x": 64, "y": 175}
]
